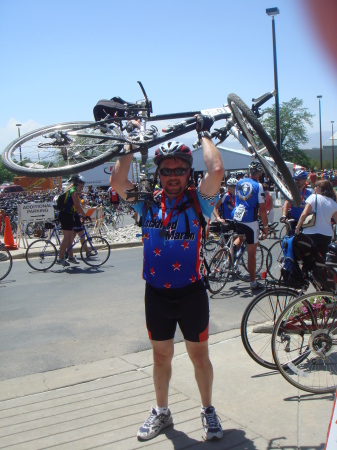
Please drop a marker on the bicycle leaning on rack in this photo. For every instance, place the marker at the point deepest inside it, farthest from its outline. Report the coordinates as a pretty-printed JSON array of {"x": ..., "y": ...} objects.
[
  {"x": 6, "y": 261},
  {"x": 225, "y": 261},
  {"x": 42, "y": 254},
  {"x": 67, "y": 148}
]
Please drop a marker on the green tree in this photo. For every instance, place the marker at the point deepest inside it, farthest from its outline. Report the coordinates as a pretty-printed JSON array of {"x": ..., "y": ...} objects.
[
  {"x": 5, "y": 175},
  {"x": 293, "y": 121}
]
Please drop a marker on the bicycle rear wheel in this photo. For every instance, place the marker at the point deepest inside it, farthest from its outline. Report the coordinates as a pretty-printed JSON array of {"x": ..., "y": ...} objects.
[
  {"x": 6, "y": 262},
  {"x": 99, "y": 249},
  {"x": 258, "y": 322},
  {"x": 218, "y": 272},
  {"x": 252, "y": 128},
  {"x": 304, "y": 343},
  {"x": 275, "y": 260},
  {"x": 117, "y": 220},
  {"x": 62, "y": 149},
  {"x": 41, "y": 255}
]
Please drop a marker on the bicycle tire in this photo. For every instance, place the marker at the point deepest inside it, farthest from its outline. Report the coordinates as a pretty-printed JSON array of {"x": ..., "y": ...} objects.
[
  {"x": 241, "y": 270},
  {"x": 258, "y": 322},
  {"x": 283, "y": 232},
  {"x": 250, "y": 124},
  {"x": 96, "y": 244},
  {"x": 274, "y": 260},
  {"x": 41, "y": 255},
  {"x": 51, "y": 158},
  {"x": 6, "y": 262},
  {"x": 218, "y": 272},
  {"x": 302, "y": 343},
  {"x": 117, "y": 220},
  {"x": 210, "y": 248}
]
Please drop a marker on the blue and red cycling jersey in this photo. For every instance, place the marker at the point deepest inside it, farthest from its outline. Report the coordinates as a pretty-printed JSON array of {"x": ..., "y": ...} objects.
[{"x": 172, "y": 239}]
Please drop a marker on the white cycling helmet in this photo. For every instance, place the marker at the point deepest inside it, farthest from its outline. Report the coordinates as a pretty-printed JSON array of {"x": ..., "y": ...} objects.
[
  {"x": 232, "y": 182},
  {"x": 76, "y": 179}
]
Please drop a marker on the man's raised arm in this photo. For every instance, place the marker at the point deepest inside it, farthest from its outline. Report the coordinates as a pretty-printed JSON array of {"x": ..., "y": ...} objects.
[
  {"x": 210, "y": 184},
  {"x": 119, "y": 175}
]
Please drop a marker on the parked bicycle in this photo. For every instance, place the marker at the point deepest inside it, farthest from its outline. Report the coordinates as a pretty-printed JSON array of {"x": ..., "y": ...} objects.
[
  {"x": 263, "y": 311},
  {"x": 42, "y": 254},
  {"x": 226, "y": 262},
  {"x": 304, "y": 343},
  {"x": 71, "y": 147},
  {"x": 6, "y": 261}
]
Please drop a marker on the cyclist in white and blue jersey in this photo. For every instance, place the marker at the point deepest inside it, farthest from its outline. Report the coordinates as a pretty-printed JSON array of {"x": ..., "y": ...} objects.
[
  {"x": 173, "y": 269},
  {"x": 249, "y": 204},
  {"x": 224, "y": 208}
]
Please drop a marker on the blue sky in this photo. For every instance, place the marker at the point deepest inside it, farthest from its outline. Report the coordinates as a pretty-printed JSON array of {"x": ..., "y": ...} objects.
[{"x": 60, "y": 57}]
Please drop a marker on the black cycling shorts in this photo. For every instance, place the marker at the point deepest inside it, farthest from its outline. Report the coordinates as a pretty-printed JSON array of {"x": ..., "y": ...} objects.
[
  {"x": 66, "y": 220},
  {"x": 252, "y": 235},
  {"x": 187, "y": 306}
]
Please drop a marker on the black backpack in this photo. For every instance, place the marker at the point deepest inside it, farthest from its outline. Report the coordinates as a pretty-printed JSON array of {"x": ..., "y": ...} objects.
[{"x": 59, "y": 201}]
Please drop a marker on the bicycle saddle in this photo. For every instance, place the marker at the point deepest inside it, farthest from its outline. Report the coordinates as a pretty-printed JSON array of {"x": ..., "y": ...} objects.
[{"x": 116, "y": 107}]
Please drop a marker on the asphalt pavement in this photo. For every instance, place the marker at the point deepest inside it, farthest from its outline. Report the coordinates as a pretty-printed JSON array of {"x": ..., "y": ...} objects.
[{"x": 102, "y": 404}]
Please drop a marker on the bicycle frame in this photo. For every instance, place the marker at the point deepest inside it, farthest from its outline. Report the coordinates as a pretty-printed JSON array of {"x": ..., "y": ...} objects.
[{"x": 72, "y": 147}]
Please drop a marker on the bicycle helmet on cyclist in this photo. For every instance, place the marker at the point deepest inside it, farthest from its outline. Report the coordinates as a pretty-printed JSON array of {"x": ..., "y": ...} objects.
[
  {"x": 232, "y": 182},
  {"x": 76, "y": 179},
  {"x": 171, "y": 150},
  {"x": 240, "y": 173},
  {"x": 300, "y": 175},
  {"x": 255, "y": 166}
]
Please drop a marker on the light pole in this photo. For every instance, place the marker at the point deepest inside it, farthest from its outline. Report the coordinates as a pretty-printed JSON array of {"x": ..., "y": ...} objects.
[
  {"x": 333, "y": 147},
  {"x": 19, "y": 125},
  {"x": 274, "y": 12},
  {"x": 320, "y": 132}
]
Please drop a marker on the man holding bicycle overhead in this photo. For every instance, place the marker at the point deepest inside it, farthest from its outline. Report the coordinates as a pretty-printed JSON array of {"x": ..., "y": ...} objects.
[
  {"x": 173, "y": 269},
  {"x": 249, "y": 203}
]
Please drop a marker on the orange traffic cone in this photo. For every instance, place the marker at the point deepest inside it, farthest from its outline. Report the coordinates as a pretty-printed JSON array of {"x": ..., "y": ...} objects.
[{"x": 8, "y": 236}]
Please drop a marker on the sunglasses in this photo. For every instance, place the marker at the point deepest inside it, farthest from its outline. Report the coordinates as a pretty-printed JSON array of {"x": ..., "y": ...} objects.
[{"x": 180, "y": 171}]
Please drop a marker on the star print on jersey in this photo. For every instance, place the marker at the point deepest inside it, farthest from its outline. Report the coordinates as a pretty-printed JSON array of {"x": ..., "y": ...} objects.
[
  {"x": 172, "y": 256},
  {"x": 176, "y": 266}
]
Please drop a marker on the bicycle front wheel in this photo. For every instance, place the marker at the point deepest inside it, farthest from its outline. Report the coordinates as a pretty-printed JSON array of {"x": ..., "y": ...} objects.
[
  {"x": 95, "y": 251},
  {"x": 252, "y": 129},
  {"x": 210, "y": 248},
  {"x": 62, "y": 149},
  {"x": 219, "y": 268},
  {"x": 6, "y": 262},
  {"x": 258, "y": 322},
  {"x": 275, "y": 258},
  {"x": 304, "y": 343},
  {"x": 41, "y": 255},
  {"x": 242, "y": 264}
]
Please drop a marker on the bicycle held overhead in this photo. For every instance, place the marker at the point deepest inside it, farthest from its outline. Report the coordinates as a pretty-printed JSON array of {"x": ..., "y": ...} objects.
[{"x": 67, "y": 148}]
